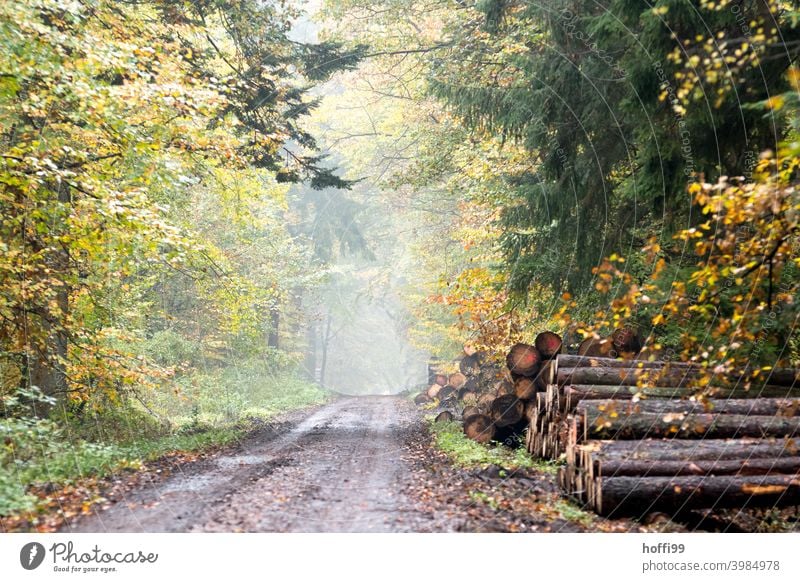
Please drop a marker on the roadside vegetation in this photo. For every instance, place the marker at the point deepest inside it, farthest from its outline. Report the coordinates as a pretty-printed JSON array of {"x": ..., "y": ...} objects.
[
  {"x": 41, "y": 456},
  {"x": 449, "y": 438}
]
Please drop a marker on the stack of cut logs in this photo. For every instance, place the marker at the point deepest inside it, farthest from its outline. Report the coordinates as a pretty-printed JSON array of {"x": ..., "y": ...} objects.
[
  {"x": 495, "y": 404},
  {"x": 635, "y": 435},
  {"x": 633, "y": 449}
]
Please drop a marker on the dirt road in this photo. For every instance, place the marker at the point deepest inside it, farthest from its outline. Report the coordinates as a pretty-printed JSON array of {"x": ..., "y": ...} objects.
[
  {"x": 355, "y": 465},
  {"x": 342, "y": 468}
]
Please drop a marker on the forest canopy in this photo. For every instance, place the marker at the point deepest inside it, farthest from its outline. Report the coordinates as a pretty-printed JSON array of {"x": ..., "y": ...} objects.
[
  {"x": 131, "y": 133},
  {"x": 631, "y": 163}
]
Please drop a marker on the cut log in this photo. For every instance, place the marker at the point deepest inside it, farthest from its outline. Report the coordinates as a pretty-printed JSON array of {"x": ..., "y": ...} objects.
[
  {"x": 490, "y": 374},
  {"x": 627, "y": 341},
  {"x": 624, "y": 376},
  {"x": 546, "y": 375},
  {"x": 571, "y": 395},
  {"x": 541, "y": 402},
  {"x": 637, "y": 496},
  {"x": 469, "y": 350},
  {"x": 525, "y": 388},
  {"x": 485, "y": 402},
  {"x": 433, "y": 391},
  {"x": 421, "y": 398},
  {"x": 781, "y": 407},
  {"x": 781, "y": 376},
  {"x": 680, "y": 450},
  {"x": 587, "y": 361},
  {"x": 470, "y": 411},
  {"x": 441, "y": 379},
  {"x": 577, "y": 393},
  {"x": 775, "y": 377},
  {"x": 506, "y": 410},
  {"x": 548, "y": 344},
  {"x": 471, "y": 365},
  {"x": 601, "y": 347},
  {"x": 686, "y": 426},
  {"x": 659, "y": 468},
  {"x": 466, "y": 389},
  {"x": 472, "y": 385},
  {"x": 531, "y": 412},
  {"x": 479, "y": 428},
  {"x": 457, "y": 380},
  {"x": 524, "y": 360},
  {"x": 469, "y": 398},
  {"x": 504, "y": 387},
  {"x": 444, "y": 416},
  {"x": 446, "y": 392}
]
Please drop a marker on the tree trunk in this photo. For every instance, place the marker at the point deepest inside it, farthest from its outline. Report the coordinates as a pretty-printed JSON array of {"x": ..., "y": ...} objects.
[
  {"x": 525, "y": 388},
  {"x": 310, "y": 360},
  {"x": 445, "y": 392},
  {"x": 469, "y": 411},
  {"x": 469, "y": 398},
  {"x": 586, "y": 361},
  {"x": 470, "y": 365},
  {"x": 444, "y": 416},
  {"x": 485, "y": 401},
  {"x": 433, "y": 391},
  {"x": 479, "y": 428},
  {"x": 490, "y": 373},
  {"x": 626, "y": 341},
  {"x": 503, "y": 387},
  {"x": 507, "y": 410},
  {"x": 546, "y": 375},
  {"x": 781, "y": 407},
  {"x": 457, "y": 380},
  {"x": 637, "y": 496},
  {"x": 624, "y": 376},
  {"x": 689, "y": 426},
  {"x": 573, "y": 394},
  {"x": 523, "y": 360},
  {"x": 548, "y": 344},
  {"x": 777, "y": 377},
  {"x": 657, "y": 467},
  {"x": 273, "y": 339},
  {"x": 46, "y": 363},
  {"x": 325, "y": 345},
  {"x": 570, "y": 396},
  {"x": 680, "y": 450}
]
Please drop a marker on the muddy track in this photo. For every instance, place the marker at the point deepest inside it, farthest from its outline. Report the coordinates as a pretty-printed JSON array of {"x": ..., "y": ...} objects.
[
  {"x": 355, "y": 465},
  {"x": 341, "y": 468}
]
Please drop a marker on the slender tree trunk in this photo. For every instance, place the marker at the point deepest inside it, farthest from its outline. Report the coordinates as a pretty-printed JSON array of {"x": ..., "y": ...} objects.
[
  {"x": 273, "y": 340},
  {"x": 46, "y": 363},
  {"x": 310, "y": 364},
  {"x": 325, "y": 341}
]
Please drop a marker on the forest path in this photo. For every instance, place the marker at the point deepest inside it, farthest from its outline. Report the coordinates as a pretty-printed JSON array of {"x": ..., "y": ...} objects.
[{"x": 341, "y": 468}]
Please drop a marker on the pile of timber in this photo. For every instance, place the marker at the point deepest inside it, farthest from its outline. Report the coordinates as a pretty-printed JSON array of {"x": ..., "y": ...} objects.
[
  {"x": 636, "y": 438},
  {"x": 494, "y": 403},
  {"x": 503, "y": 408}
]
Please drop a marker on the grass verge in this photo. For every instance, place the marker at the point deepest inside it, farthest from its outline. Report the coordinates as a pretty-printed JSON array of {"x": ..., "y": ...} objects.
[
  {"x": 450, "y": 439},
  {"x": 40, "y": 457}
]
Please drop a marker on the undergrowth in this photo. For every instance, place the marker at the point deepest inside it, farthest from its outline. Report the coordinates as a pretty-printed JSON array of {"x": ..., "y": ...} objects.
[
  {"x": 94, "y": 440},
  {"x": 450, "y": 439}
]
